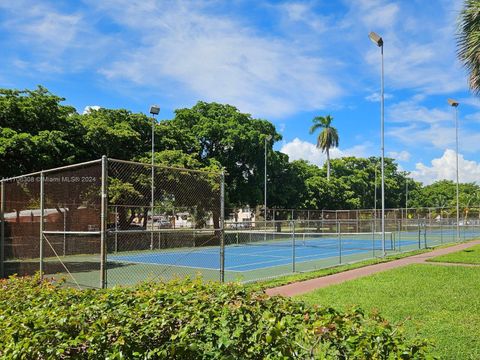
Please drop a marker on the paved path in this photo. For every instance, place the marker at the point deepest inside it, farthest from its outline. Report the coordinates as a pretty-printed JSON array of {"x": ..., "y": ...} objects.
[{"x": 310, "y": 285}]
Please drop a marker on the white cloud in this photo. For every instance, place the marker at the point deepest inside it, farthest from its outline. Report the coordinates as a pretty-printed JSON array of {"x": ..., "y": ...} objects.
[
  {"x": 400, "y": 155},
  {"x": 379, "y": 14},
  {"x": 298, "y": 149},
  {"x": 54, "y": 40},
  {"x": 415, "y": 125},
  {"x": 303, "y": 13},
  {"x": 88, "y": 109},
  {"x": 376, "y": 97},
  {"x": 415, "y": 135},
  {"x": 436, "y": 136},
  {"x": 410, "y": 111},
  {"x": 419, "y": 45},
  {"x": 473, "y": 117},
  {"x": 445, "y": 168},
  {"x": 216, "y": 58}
]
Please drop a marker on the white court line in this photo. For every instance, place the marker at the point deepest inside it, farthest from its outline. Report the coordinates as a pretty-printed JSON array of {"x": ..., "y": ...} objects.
[
  {"x": 171, "y": 265},
  {"x": 275, "y": 260},
  {"x": 257, "y": 263},
  {"x": 314, "y": 256},
  {"x": 256, "y": 255}
]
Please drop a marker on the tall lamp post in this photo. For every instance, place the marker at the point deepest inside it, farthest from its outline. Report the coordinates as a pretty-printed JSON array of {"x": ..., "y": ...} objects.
[
  {"x": 455, "y": 104},
  {"x": 267, "y": 138},
  {"x": 375, "y": 202},
  {"x": 377, "y": 40},
  {"x": 154, "y": 110},
  {"x": 406, "y": 198}
]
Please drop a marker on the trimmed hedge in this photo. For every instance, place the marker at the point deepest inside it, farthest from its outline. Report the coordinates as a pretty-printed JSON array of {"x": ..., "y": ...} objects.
[{"x": 185, "y": 319}]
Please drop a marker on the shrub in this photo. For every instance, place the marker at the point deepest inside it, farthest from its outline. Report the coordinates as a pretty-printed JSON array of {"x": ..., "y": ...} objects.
[{"x": 185, "y": 319}]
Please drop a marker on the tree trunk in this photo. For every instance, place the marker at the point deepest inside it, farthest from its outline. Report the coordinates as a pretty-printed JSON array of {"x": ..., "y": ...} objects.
[
  {"x": 328, "y": 164},
  {"x": 145, "y": 218},
  {"x": 124, "y": 221}
]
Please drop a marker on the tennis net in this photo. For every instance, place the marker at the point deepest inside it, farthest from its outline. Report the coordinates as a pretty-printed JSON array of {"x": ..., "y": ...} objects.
[{"x": 360, "y": 241}]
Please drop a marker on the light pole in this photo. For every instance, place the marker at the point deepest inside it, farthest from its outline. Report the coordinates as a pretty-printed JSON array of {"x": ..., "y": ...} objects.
[
  {"x": 375, "y": 201},
  {"x": 455, "y": 104},
  {"x": 406, "y": 197},
  {"x": 377, "y": 40},
  {"x": 267, "y": 138},
  {"x": 154, "y": 110}
]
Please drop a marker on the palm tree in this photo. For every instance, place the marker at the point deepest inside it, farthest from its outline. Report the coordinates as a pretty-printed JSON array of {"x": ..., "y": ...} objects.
[
  {"x": 468, "y": 41},
  {"x": 327, "y": 138}
]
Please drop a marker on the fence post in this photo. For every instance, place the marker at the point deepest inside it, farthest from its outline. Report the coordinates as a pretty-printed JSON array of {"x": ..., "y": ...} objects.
[
  {"x": 339, "y": 243},
  {"x": 441, "y": 230},
  {"x": 322, "y": 222},
  {"x": 372, "y": 226},
  {"x": 42, "y": 204},
  {"x": 358, "y": 221},
  {"x": 293, "y": 246},
  {"x": 116, "y": 231},
  {"x": 399, "y": 237},
  {"x": 2, "y": 229},
  {"x": 103, "y": 227},
  {"x": 152, "y": 201},
  {"x": 222, "y": 227},
  {"x": 308, "y": 220},
  {"x": 425, "y": 235},
  {"x": 64, "y": 230},
  {"x": 419, "y": 232}
]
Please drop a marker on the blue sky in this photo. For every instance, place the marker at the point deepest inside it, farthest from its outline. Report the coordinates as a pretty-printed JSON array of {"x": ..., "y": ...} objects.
[{"x": 285, "y": 61}]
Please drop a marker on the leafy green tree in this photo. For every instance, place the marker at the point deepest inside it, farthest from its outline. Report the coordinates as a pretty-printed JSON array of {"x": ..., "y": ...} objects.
[
  {"x": 358, "y": 174},
  {"x": 287, "y": 187},
  {"x": 31, "y": 111},
  {"x": 329, "y": 194},
  {"x": 36, "y": 132},
  {"x": 236, "y": 141},
  {"x": 468, "y": 41},
  {"x": 327, "y": 138},
  {"x": 116, "y": 133},
  {"x": 442, "y": 195},
  {"x": 197, "y": 192}
]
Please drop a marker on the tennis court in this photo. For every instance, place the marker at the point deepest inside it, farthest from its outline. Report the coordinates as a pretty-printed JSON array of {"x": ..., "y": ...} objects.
[
  {"x": 249, "y": 255},
  {"x": 241, "y": 258},
  {"x": 99, "y": 224},
  {"x": 264, "y": 254}
]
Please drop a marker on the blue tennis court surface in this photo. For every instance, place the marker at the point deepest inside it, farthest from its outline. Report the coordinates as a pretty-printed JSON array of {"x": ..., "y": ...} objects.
[{"x": 246, "y": 258}]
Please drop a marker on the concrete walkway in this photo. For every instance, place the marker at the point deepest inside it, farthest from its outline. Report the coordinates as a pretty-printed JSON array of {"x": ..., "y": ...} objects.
[{"x": 302, "y": 287}]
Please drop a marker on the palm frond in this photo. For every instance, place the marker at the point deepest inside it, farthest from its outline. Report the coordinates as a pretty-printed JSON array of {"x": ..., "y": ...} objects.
[
  {"x": 328, "y": 137},
  {"x": 314, "y": 128},
  {"x": 468, "y": 42}
]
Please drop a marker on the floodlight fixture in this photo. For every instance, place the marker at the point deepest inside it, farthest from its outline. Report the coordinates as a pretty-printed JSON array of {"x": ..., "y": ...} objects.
[
  {"x": 377, "y": 39},
  {"x": 154, "y": 109},
  {"x": 453, "y": 103}
]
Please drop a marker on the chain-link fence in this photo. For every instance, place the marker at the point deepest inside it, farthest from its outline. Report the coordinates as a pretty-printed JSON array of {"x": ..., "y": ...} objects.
[
  {"x": 467, "y": 214},
  {"x": 267, "y": 249},
  {"x": 179, "y": 233},
  {"x": 112, "y": 222}
]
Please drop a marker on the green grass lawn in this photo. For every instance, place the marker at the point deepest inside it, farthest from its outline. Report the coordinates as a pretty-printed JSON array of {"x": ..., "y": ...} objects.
[
  {"x": 467, "y": 256},
  {"x": 438, "y": 302},
  {"x": 302, "y": 276}
]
